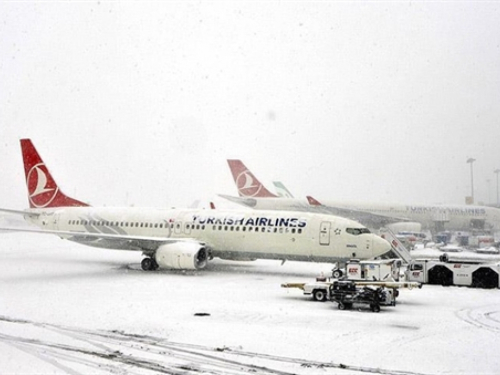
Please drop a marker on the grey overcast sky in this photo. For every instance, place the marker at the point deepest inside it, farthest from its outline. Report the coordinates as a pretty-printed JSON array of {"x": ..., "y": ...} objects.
[{"x": 142, "y": 103}]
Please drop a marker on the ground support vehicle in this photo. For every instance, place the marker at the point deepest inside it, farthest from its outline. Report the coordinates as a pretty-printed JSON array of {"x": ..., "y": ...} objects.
[
  {"x": 398, "y": 248},
  {"x": 320, "y": 289},
  {"x": 446, "y": 272},
  {"x": 346, "y": 294},
  {"x": 374, "y": 273},
  {"x": 373, "y": 270}
]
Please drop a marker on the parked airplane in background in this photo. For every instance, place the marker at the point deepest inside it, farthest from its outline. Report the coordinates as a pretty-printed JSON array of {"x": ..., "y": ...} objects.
[
  {"x": 189, "y": 238},
  {"x": 252, "y": 193},
  {"x": 281, "y": 190}
]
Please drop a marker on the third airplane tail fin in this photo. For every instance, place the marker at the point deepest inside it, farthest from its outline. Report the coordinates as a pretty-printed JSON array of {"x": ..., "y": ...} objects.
[
  {"x": 282, "y": 191},
  {"x": 248, "y": 185},
  {"x": 43, "y": 191},
  {"x": 313, "y": 201}
]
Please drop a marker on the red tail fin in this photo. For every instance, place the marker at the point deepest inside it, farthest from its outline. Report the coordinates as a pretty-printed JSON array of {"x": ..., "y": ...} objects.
[
  {"x": 248, "y": 185},
  {"x": 43, "y": 191},
  {"x": 312, "y": 201}
]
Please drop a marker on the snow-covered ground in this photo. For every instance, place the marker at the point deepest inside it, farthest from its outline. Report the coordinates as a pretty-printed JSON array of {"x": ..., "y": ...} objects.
[{"x": 66, "y": 308}]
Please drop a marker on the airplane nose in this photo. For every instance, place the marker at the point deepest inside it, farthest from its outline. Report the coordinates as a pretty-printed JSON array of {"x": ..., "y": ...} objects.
[{"x": 380, "y": 246}]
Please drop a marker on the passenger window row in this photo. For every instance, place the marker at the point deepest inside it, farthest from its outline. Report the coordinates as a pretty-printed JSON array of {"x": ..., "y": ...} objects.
[
  {"x": 178, "y": 225},
  {"x": 118, "y": 224},
  {"x": 237, "y": 228}
]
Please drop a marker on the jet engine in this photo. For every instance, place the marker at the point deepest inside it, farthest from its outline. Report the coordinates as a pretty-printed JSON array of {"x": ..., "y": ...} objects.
[{"x": 182, "y": 255}]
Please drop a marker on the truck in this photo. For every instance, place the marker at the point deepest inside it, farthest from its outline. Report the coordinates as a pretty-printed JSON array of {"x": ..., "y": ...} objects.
[
  {"x": 372, "y": 273},
  {"x": 374, "y": 270},
  {"x": 319, "y": 290},
  {"x": 446, "y": 272}
]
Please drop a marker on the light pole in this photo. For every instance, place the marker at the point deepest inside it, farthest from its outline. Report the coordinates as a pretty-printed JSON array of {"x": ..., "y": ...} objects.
[
  {"x": 470, "y": 161},
  {"x": 488, "y": 181},
  {"x": 496, "y": 171}
]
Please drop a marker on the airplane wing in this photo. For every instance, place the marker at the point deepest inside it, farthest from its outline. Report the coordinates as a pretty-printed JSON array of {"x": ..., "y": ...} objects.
[
  {"x": 19, "y": 212},
  {"x": 365, "y": 217},
  {"x": 108, "y": 241},
  {"x": 274, "y": 204},
  {"x": 244, "y": 201}
]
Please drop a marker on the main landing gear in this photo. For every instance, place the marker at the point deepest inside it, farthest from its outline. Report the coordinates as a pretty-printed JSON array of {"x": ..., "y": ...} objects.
[{"x": 149, "y": 264}]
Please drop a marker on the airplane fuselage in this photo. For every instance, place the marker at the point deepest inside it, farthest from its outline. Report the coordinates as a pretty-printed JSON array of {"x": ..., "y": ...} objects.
[
  {"x": 431, "y": 217},
  {"x": 188, "y": 239},
  {"x": 451, "y": 217},
  {"x": 227, "y": 234}
]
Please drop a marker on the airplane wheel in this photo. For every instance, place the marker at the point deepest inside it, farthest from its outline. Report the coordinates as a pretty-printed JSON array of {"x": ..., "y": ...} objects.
[
  {"x": 319, "y": 295},
  {"x": 155, "y": 265},
  {"x": 148, "y": 264},
  {"x": 375, "y": 308},
  {"x": 341, "y": 306}
]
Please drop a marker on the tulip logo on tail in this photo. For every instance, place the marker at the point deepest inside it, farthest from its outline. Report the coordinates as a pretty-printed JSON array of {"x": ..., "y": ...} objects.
[
  {"x": 246, "y": 185},
  {"x": 41, "y": 189}
]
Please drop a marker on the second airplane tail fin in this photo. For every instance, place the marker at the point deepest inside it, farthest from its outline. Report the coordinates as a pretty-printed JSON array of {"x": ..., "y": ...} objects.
[
  {"x": 248, "y": 185},
  {"x": 43, "y": 191}
]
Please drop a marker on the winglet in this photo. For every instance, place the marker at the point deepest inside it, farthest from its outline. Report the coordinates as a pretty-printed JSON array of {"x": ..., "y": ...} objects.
[
  {"x": 43, "y": 191},
  {"x": 212, "y": 206},
  {"x": 282, "y": 191},
  {"x": 312, "y": 201},
  {"x": 248, "y": 185}
]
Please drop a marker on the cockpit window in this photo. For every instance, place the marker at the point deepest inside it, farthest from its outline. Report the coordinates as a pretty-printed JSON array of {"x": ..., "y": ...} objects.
[{"x": 357, "y": 231}]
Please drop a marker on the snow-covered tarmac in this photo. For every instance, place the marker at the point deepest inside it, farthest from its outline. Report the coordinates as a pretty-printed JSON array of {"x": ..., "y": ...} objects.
[{"x": 66, "y": 308}]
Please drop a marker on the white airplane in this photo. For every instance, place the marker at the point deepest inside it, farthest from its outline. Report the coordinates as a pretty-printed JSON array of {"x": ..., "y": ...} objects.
[
  {"x": 252, "y": 193},
  {"x": 281, "y": 190},
  {"x": 189, "y": 238}
]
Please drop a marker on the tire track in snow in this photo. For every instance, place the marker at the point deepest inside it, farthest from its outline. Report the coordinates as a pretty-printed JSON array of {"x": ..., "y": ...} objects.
[
  {"x": 120, "y": 352},
  {"x": 26, "y": 349},
  {"x": 192, "y": 362},
  {"x": 485, "y": 317}
]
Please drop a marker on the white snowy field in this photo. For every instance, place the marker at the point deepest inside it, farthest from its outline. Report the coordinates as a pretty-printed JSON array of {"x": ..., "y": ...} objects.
[{"x": 66, "y": 308}]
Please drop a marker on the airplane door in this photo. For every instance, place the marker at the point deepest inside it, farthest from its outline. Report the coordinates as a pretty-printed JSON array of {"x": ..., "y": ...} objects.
[
  {"x": 324, "y": 233},
  {"x": 178, "y": 227},
  {"x": 55, "y": 221}
]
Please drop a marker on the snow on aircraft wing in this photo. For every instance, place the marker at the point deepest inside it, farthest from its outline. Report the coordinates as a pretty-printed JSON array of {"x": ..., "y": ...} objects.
[
  {"x": 19, "y": 212},
  {"x": 249, "y": 202},
  {"x": 364, "y": 217},
  {"x": 108, "y": 241}
]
